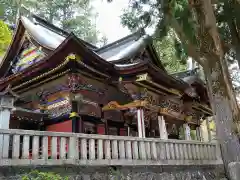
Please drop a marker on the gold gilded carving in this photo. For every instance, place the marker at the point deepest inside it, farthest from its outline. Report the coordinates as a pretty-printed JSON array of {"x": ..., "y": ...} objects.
[
  {"x": 188, "y": 118},
  {"x": 174, "y": 91},
  {"x": 73, "y": 57},
  {"x": 120, "y": 79},
  {"x": 143, "y": 77},
  {"x": 73, "y": 114},
  {"x": 113, "y": 105},
  {"x": 43, "y": 107},
  {"x": 163, "y": 110}
]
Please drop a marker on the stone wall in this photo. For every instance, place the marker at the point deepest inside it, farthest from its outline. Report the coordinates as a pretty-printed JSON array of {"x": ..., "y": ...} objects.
[{"x": 123, "y": 173}]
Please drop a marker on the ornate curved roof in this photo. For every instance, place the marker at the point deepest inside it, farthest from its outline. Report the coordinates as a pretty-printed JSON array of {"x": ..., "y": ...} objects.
[
  {"x": 121, "y": 57},
  {"x": 42, "y": 35},
  {"x": 130, "y": 50},
  {"x": 124, "y": 48},
  {"x": 116, "y": 52}
]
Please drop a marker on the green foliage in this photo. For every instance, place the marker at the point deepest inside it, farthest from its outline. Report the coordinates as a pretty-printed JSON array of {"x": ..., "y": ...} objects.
[
  {"x": 146, "y": 13},
  {"x": 182, "y": 135},
  {"x": 36, "y": 175},
  {"x": 168, "y": 54},
  {"x": 193, "y": 134},
  {"x": 116, "y": 174},
  {"x": 5, "y": 37},
  {"x": 227, "y": 15}
]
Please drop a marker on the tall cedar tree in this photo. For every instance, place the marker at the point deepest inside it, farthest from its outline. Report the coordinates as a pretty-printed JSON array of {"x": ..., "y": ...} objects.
[{"x": 204, "y": 37}]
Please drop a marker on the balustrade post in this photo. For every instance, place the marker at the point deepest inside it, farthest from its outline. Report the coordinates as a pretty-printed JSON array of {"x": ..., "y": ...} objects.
[
  {"x": 35, "y": 149},
  {"x": 213, "y": 152},
  {"x": 190, "y": 154},
  {"x": 168, "y": 150},
  {"x": 54, "y": 147},
  {"x": 181, "y": 153},
  {"x": 63, "y": 148},
  {"x": 129, "y": 150},
  {"x": 122, "y": 149},
  {"x": 5, "y": 147},
  {"x": 185, "y": 151},
  {"x": 45, "y": 147},
  {"x": 72, "y": 148},
  {"x": 142, "y": 150},
  {"x": 16, "y": 146},
  {"x": 209, "y": 152},
  {"x": 172, "y": 150},
  {"x": 83, "y": 148},
  {"x": 26, "y": 139},
  {"x": 177, "y": 153},
  {"x": 114, "y": 149},
  {"x": 198, "y": 151},
  {"x": 201, "y": 152},
  {"x": 163, "y": 150},
  {"x": 153, "y": 150},
  {"x": 135, "y": 150},
  {"x": 194, "y": 154},
  {"x": 148, "y": 149},
  {"x": 100, "y": 149},
  {"x": 107, "y": 149},
  {"x": 92, "y": 149}
]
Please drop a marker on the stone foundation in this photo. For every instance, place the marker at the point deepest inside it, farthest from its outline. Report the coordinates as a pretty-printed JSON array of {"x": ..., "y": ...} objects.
[{"x": 123, "y": 173}]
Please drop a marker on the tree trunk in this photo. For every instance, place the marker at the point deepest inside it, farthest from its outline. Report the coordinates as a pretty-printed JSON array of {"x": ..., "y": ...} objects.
[
  {"x": 223, "y": 98},
  {"x": 237, "y": 49},
  {"x": 222, "y": 104}
]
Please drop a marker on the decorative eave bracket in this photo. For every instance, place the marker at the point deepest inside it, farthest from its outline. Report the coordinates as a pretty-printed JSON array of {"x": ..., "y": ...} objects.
[{"x": 146, "y": 78}]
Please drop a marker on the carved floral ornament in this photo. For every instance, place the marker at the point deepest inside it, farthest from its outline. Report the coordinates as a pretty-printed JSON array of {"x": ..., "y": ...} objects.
[
  {"x": 73, "y": 57},
  {"x": 77, "y": 83},
  {"x": 167, "y": 108},
  {"x": 113, "y": 105},
  {"x": 145, "y": 77}
]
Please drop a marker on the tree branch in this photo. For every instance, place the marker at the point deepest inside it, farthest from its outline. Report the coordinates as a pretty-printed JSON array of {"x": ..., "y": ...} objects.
[{"x": 192, "y": 49}]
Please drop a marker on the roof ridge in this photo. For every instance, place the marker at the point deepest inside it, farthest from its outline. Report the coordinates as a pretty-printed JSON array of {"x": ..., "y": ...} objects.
[
  {"x": 138, "y": 34},
  {"x": 56, "y": 29}
]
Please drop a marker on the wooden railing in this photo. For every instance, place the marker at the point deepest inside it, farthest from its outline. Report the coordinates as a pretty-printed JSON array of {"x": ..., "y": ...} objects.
[{"x": 23, "y": 147}]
